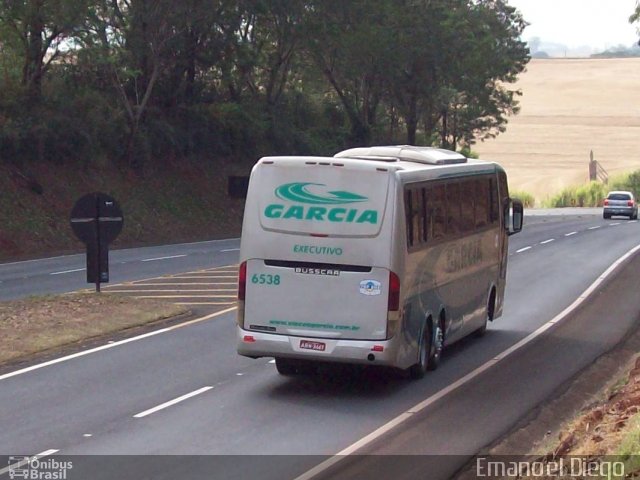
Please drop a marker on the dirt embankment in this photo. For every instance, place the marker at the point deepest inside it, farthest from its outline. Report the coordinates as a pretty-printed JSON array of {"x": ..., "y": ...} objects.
[{"x": 183, "y": 201}]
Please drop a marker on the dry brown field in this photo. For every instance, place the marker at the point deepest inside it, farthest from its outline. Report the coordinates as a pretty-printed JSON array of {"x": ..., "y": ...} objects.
[{"x": 568, "y": 108}]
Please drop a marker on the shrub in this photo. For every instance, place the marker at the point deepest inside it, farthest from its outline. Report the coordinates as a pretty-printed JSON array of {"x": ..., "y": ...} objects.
[{"x": 526, "y": 198}]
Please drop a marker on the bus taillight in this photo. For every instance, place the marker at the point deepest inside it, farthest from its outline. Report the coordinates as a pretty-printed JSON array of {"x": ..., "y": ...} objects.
[
  {"x": 242, "y": 281},
  {"x": 394, "y": 293}
]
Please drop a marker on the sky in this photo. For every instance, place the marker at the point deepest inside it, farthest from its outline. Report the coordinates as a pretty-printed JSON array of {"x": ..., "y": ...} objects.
[{"x": 599, "y": 24}]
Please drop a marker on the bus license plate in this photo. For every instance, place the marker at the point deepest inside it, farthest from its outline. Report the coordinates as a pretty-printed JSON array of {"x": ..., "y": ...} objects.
[{"x": 308, "y": 345}]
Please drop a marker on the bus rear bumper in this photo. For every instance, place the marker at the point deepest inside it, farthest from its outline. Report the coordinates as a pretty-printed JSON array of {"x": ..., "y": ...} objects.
[{"x": 370, "y": 352}]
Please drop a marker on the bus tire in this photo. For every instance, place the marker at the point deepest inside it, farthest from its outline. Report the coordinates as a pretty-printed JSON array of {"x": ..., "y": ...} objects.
[
  {"x": 419, "y": 369},
  {"x": 436, "y": 346},
  {"x": 429, "y": 351},
  {"x": 286, "y": 366},
  {"x": 488, "y": 315}
]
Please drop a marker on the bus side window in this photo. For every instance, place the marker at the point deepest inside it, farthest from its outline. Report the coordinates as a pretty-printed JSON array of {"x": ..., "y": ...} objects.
[
  {"x": 418, "y": 219},
  {"x": 504, "y": 192},
  {"x": 481, "y": 201},
  {"x": 426, "y": 227},
  {"x": 437, "y": 201},
  {"x": 453, "y": 208},
  {"x": 467, "y": 202},
  {"x": 409, "y": 215},
  {"x": 494, "y": 206}
]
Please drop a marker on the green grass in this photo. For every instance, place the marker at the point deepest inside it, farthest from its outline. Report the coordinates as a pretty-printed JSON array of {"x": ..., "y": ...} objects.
[
  {"x": 593, "y": 193},
  {"x": 526, "y": 198},
  {"x": 629, "y": 449}
]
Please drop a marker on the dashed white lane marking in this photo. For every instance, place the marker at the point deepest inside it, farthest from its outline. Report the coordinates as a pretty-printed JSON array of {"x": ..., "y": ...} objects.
[
  {"x": 547, "y": 241},
  {"x": 172, "y": 402},
  {"x": 351, "y": 449},
  {"x": 230, "y": 250},
  {"x": 523, "y": 249},
  {"x": 569, "y": 234},
  {"x": 163, "y": 258},
  {"x": 594, "y": 228},
  {"x": 115, "y": 344},
  {"x": 27, "y": 460},
  {"x": 68, "y": 271},
  {"x": 614, "y": 224}
]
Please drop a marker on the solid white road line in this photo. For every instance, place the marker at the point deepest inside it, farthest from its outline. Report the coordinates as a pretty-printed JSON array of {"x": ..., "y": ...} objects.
[
  {"x": 569, "y": 234},
  {"x": 172, "y": 402},
  {"x": 321, "y": 467},
  {"x": 182, "y": 296},
  {"x": 68, "y": 271},
  {"x": 115, "y": 344},
  {"x": 204, "y": 303},
  {"x": 163, "y": 258},
  {"x": 523, "y": 249},
  {"x": 547, "y": 241},
  {"x": 173, "y": 290},
  {"x": 171, "y": 284},
  {"x": 27, "y": 460},
  {"x": 211, "y": 278}
]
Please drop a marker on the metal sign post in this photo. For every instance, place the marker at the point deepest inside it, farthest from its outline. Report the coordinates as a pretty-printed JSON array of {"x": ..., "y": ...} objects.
[{"x": 97, "y": 220}]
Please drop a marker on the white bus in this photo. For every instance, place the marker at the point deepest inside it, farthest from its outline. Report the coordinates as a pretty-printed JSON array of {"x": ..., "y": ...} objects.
[{"x": 380, "y": 256}]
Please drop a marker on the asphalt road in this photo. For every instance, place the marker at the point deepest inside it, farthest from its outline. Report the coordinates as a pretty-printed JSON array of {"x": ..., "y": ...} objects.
[
  {"x": 68, "y": 273},
  {"x": 184, "y": 392}
]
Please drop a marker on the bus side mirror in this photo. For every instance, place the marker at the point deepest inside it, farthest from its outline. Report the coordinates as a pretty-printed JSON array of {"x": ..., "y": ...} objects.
[{"x": 516, "y": 216}]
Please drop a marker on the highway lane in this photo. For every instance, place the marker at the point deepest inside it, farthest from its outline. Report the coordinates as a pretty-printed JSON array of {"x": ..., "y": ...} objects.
[
  {"x": 67, "y": 273},
  {"x": 89, "y": 405}
]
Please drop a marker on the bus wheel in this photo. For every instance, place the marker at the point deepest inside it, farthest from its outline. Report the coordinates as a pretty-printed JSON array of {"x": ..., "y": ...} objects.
[
  {"x": 488, "y": 315},
  {"x": 435, "y": 352},
  {"x": 418, "y": 370},
  {"x": 286, "y": 366},
  {"x": 429, "y": 352}
]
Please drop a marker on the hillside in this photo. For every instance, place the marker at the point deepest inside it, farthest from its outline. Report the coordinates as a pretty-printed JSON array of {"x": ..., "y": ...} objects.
[
  {"x": 186, "y": 201},
  {"x": 568, "y": 108}
]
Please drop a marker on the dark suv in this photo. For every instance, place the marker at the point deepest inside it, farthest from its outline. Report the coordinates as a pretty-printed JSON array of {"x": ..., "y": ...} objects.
[{"x": 620, "y": 203}]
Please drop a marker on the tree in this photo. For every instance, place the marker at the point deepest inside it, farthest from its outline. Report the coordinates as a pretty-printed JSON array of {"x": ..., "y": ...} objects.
[
  {"x": 40, "y": 28},
  {"x": 131, "y": 41},
  {"x": 350, "y": 43},
  {"x": 492, "y": 56},
  {"x": 635, "y": 17}
]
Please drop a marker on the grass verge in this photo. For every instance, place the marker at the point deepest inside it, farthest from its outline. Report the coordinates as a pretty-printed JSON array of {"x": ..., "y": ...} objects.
[
  {"x": 38, "y": 324},
  {"x": 593, "y": 193},
  {"x": 526, "y": 198}
]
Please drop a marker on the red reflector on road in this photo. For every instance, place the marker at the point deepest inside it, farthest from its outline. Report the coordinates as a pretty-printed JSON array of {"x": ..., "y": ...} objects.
[
  {"x": 377, "y": 348},
  {"x": 249, "y": 339}
]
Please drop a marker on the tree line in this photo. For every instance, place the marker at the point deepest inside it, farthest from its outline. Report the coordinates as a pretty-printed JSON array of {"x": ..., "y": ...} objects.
[{"x": 138, "y": 81}]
